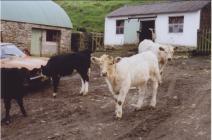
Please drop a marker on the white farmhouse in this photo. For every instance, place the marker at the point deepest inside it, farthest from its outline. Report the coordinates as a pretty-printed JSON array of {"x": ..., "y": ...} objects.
[{"x": 173, "y": 23}]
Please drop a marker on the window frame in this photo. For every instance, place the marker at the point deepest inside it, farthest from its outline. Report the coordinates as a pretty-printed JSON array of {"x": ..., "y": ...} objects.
[
  {"x": 120, "y": 27},
  {"x": 55, "y": 34},
  {"x": 176, "y": 26}
]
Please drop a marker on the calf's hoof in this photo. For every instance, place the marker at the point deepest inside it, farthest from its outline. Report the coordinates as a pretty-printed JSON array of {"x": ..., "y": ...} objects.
[
  {"x": 54, "y": 95},
  {"x": 6, "y": 121},
  {"x": 153, "y": 104},
  {"x": 118, "y": 115},
  {"x": 152, "y": 107},
  {"x": 84, "y": 93},
  {"x": 25, "y": 114},
  {"x": 137, "y": 108},
  {"x": 81, "y": 92}
]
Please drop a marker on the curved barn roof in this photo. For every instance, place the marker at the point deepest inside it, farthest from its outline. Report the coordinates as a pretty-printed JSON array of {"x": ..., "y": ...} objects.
[{"x": 37, "y": 12}]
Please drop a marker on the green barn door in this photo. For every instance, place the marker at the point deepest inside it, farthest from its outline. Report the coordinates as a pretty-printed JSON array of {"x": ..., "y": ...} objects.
[{"x": 36, "y": 42}]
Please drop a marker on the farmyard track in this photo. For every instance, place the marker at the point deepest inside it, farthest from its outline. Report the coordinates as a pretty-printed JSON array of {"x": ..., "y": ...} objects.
[{"x": 183, "y": 109}]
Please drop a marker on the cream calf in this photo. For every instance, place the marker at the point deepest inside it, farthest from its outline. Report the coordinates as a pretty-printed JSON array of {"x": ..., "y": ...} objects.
[
  {"x": 162, "y": 51},
  {"x": 123, "y": 73}
]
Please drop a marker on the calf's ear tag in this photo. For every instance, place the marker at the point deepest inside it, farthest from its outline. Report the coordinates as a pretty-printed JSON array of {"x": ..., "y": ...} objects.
[
  {"x": 175, "y": 48},
  {"x": 161, "y": 49},
  {"x": 94, "y": 59},
  {"x": 117, "y": 59}
]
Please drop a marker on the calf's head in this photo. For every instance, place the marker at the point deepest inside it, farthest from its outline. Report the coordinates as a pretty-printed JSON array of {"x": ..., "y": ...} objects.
[
  {"x": 44, "y": 71},
  {"x": 106, "y": 64},
  {"x": 166, "y": 52}
]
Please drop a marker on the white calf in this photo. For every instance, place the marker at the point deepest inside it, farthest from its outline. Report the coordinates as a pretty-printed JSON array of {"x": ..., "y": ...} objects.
[
  {"x": 134, "y": 71},
  {"x": 163, "y": 52},
  {"x": 153, "y": 34}
]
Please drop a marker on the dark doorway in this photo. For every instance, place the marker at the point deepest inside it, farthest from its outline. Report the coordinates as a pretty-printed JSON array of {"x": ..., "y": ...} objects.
[{"x": 145, "y": 32}]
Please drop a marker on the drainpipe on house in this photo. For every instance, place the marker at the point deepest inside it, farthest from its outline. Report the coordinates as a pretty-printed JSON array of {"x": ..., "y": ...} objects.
[
  {"x": 41, "y": 44},
  {"x": 58, "y": 42},
  {"x": 139, "y": 36},
  {"x": 1, "y": 36}
]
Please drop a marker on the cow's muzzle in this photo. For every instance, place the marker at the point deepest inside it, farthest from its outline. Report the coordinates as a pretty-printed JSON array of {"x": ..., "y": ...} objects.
[{"x": 104, "y": 74}]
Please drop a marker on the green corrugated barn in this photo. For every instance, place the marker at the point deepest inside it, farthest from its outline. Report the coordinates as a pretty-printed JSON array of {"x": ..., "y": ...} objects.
[{"x": 42, "y": 27}]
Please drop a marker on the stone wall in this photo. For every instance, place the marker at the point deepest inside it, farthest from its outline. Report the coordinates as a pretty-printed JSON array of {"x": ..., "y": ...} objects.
[
  {"x": 65, "y": 40},
  {"x": 20, "y": 34},
  {"x": 17, "y": 33}
]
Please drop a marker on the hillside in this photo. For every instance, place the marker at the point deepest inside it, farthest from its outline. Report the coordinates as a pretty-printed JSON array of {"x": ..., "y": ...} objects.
[{"x": 91, "y": 14}]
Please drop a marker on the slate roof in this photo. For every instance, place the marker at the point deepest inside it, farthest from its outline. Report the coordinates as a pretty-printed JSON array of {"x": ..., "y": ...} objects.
[{"x": 159, "y": 8}]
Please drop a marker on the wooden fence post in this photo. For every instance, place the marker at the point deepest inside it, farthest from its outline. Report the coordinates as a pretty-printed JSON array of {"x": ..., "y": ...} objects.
[{"x": 204, "y": 41}]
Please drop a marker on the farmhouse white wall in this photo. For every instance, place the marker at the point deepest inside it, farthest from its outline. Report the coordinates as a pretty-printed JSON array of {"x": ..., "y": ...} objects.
[
  {"x": 187, "y": 38},
  {"x": 190, "y": 27},
  {"x": 110, "y": 36}
]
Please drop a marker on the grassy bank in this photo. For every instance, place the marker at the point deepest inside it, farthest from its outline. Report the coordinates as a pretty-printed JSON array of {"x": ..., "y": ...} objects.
[{"x": 91, "y": 14}]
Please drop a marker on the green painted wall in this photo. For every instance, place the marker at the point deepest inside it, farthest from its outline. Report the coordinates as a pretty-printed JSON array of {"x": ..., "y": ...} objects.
[
  {"x": 130, "y": 31},
  {"x": 36, "y": 42}
]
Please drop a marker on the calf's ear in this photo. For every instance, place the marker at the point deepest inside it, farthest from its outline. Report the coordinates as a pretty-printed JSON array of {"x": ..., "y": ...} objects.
[
  {"x": 94, "y": 60},
  {"x": 161, "y": 48},
  {"x": 117, "y": 59}
]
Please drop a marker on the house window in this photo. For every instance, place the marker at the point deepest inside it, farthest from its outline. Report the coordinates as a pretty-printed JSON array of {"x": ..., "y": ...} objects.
[
  {"x": 52, "y": 35},
  {"x": 176, "y": 24},
  {"x": 119, "y": 26}
]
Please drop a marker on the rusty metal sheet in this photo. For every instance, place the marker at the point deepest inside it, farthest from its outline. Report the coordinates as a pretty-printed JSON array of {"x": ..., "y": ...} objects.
[{"x": 24, "y": 62}]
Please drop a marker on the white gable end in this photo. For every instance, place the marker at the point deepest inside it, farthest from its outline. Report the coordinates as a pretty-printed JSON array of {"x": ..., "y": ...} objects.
[{"x": 190, "y": 26}]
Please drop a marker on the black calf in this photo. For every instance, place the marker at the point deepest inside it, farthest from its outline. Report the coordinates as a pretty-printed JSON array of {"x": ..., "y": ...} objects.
[
  {"x": 63, "y": 65},
  {"x": 12, "y": 87}
]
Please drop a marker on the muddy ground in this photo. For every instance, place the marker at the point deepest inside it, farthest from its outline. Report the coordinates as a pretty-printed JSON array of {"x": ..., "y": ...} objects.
[{"x": 182, "y": 113}]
